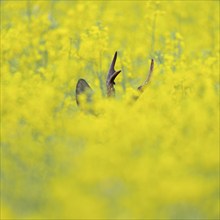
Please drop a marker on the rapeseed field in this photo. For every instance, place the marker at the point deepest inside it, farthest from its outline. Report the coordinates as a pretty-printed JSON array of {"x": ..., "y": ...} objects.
[{"x": 153, "y": 158}]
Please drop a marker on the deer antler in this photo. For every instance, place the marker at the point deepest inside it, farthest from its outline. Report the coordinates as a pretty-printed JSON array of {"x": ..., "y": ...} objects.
[
  {"x": 141, "y": 87},
  {"x": 112, "y": 74}
]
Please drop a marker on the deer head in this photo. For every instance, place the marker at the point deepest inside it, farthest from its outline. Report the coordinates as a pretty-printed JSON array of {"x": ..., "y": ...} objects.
[{"x": 83, "y": 87}]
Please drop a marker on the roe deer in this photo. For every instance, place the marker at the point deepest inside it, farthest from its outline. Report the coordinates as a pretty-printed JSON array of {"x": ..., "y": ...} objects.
[{"x": 83, "y": 87}]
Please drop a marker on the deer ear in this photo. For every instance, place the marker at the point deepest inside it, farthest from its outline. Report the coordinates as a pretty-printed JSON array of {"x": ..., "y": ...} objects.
[{"x": 82, "y": 87}]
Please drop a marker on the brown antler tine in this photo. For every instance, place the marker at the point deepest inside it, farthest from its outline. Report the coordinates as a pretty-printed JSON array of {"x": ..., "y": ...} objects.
[
  {"x": 150, "y": 71},
  {"x": 140, "y": 88},
  {"x": 112, "y": 66},
  {"x": 112, "y": 74}
]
